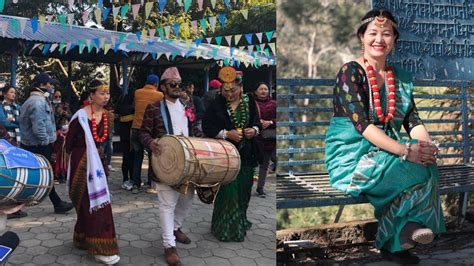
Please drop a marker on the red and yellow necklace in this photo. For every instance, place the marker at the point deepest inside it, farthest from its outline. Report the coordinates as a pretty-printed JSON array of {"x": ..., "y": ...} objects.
[
  {"x": 376, "y": 92},
  {"x": 94, "y": 126}
]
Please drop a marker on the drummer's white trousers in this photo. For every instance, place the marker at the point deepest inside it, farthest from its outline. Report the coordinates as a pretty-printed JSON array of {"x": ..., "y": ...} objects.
[{"x": 173, "y": 208}]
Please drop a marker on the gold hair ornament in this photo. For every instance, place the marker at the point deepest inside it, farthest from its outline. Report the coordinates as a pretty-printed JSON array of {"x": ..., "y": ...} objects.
[{"x": 379, "y": 21}]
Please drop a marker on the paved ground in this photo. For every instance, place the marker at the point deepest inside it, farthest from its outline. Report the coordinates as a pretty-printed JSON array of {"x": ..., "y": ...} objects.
[{"x": 46, "y": 238}]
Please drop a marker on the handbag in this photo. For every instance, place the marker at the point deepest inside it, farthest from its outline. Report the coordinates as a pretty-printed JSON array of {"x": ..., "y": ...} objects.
[{"x": 269, "y": 133}]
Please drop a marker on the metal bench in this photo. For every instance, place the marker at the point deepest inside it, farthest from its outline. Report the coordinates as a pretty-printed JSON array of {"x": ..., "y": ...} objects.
[{"x": 304, "y": 110}]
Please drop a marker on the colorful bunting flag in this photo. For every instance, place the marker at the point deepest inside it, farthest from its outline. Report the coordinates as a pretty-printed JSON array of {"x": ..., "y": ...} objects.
[
  {"x": 70, "y": 4},
  {"x": 162, "y": 4},
  {"x": 139, "y": 35},
  {"x": 101, "y": 42},
  {"x": 245, "y": 13},
  {"x": 22, "y": 25},
  {"x": 152, "y": 32},
  {"x": 105, "y": 13},
  {"x": 98, "y": 16},
  {"x": 34, "y": 25},
  {"x": 167, "y": 31},
  {"x": 237, "y": 38},
  {"x": 212, "y": 21},
  {"x": 61, "y": 47},
  {"x": 218, "y": 40},
  {"x": 209, "y": 39},
  {"x": 42, "y": 21},
  {"x": 199, "y": 4},
  {"x": 259, "y": 36},
  {"x": 2, "y": 5},
  {"x": 46, "y": 48},
  {"x": 180, "y": 2},
  {"x": 272, "y": 47},
  {"x": 161, "y": 33},
  {"x": 176, "y": 30},
  {"x": 53, "y": 47},
  {"x": 203, "y": 23},
  {"x": 85, "y": 17},
  {"x": 15, "y": 27},
  {"x": 187, "y": 4},
  {"x": 228, "y": 38},
  {"x": 269, "y": 35},
  {"x": 135, "y": 9},
  {"x": 49, "y": 18},
  {"x": 101, "y": 3},
  {"x": 227, "y": 3},
  {"x": 148, "y": 8},
  {"x": 198, "y": 41},
  {"x": 124, "y": 11},
  {"x": 70, "y": 18},
  {"x": 107, "y": 47},
  {"x": 213, "y": 3},
  {"x": 115, "y": 10},
  {"x": 194, "y": 26},
  {"x": 248, "y": 36},
  {"x": 222, "y": 19},
  {"x": 62, "y": 20}
]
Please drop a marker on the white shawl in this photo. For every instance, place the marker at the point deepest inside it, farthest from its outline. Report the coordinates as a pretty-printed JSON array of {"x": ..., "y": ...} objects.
[{"x": 99, "y": 195}]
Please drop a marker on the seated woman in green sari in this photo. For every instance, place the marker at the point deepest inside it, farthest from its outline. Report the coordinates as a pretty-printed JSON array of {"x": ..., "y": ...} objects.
[{"x": 365, "y": 154}]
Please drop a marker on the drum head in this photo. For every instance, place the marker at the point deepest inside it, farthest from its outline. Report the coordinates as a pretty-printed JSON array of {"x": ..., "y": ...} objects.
[{"x": 170, "y": 164}]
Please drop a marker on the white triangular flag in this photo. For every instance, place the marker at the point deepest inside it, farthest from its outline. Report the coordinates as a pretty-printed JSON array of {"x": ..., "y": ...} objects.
[
  {"x": 200, "y": 4},
  {"x": 259, "y": 36},
  {"x": 209, "y": 39},
  {"x": 102, "y": 42},
  {"x": 212, "y": 21},
  {"x": 167, "y": 31},
  {"x": 213, "y": 3},
  {"x": 180, "y": 2},
  {"x": 241, "y": 48},
  {"x": 198, "y": 53},
  {"x": 22, "y": 25},
  {"x": 245, "y": 13},
  {"x": 113, "y": 39},
  {"x": 250, "y": 48},
  {"x": 151, "y": 32},
  {"x": 135, "y": 9},
  {"x": 70, "y": 3},
  {"x": 49, "y": 18},
  {"x": 42, "y": 21},
  {"x": 4, "y": 26},
  {"x": 70, "y": 18},
  {"x": 116, "y": 10},
  {"x": 144, "y": 56},
  {"x": 228, "y": 38},
  {"x": 168, "y": 55},
  {"x": 53, "y": 47}
]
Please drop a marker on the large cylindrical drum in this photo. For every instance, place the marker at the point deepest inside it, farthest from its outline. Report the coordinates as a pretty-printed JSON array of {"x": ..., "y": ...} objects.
[
  {"x": 24, "y": 176},
  {"x": 202, "y": 161}
]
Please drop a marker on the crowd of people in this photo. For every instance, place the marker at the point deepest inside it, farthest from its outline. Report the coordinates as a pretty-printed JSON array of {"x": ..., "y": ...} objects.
[{"x": 78, "y": 146}]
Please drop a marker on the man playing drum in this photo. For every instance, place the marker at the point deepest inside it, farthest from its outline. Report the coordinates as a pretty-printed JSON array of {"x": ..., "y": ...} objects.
[{"x": 169, "y": 117}]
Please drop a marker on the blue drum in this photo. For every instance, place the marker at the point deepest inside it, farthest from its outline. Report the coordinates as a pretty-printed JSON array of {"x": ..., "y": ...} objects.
[{"x": 24, "y": 176}]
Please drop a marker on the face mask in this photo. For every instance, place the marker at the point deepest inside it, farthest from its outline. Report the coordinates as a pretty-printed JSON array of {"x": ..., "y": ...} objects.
[
  {"x": 57, "y": 100},
  {"x": 65, "y": 127}
]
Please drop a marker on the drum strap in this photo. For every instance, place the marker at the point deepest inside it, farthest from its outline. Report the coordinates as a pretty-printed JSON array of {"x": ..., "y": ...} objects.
[{"x": 164, "y": 115}]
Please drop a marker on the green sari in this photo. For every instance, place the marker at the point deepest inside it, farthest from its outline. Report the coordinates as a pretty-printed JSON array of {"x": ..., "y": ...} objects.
[
  {"x": 400, "y": 192},
  {"x": 229, "y": 217}
]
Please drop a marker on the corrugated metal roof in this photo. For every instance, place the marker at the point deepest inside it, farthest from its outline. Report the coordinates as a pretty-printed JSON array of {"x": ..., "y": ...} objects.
[{"x": 56, "y": 33}]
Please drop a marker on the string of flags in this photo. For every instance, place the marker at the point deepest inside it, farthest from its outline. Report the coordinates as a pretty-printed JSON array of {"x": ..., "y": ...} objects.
[{"x": 14, "y": 27}]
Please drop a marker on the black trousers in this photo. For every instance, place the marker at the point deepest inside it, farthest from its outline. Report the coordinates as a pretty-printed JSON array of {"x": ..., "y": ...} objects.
[{"x": 46, "y": 151}]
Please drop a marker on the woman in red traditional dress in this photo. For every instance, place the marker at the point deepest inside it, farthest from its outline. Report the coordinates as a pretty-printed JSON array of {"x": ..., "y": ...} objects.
[{"x": 87, "y": 177}]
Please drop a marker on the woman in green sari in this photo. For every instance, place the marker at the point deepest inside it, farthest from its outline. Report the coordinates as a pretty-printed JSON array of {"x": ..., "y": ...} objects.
[
  {"x": 233, "y": 116},
  {"x": 365, "y": 154}
]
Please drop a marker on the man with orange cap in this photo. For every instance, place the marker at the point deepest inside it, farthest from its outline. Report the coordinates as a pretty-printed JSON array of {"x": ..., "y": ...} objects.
[{"x": 170, "y": 116}]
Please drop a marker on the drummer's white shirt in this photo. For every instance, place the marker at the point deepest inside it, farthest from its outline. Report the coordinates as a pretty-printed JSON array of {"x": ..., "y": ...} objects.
[{"x": 178, "y": 118}]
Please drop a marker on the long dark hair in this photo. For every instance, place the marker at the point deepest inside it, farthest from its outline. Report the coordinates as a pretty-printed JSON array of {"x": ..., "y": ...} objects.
[
  {"x": 6, "y": 88},
  {"x": 378, "y": 12}
]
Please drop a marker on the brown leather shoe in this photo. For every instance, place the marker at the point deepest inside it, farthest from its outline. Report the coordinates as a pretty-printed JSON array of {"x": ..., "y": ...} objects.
[
  {"x": 181, "y": 237},
  {"x": 171, "y": 256}
]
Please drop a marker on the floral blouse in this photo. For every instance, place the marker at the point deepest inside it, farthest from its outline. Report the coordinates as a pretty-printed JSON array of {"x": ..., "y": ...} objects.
[{"x": 352, "y": 98}]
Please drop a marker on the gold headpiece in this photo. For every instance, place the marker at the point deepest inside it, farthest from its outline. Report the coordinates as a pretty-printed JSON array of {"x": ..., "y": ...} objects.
[
  {"x": 379, "y": 21},
  {"x": 227, "y": 75},
  {"x": 102, "y": 88}
]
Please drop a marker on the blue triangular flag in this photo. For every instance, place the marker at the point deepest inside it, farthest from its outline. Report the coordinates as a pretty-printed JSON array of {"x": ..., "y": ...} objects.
[
  {"x": 173, "y": 55},
  {"x": 232, "y": 49},
  {"x": 198, "y": 41},
  {"x": 34, "y": 24},
  {"x": 139, "y": 35},
  {"x": 153, "y": 55},
  {"x": 162, "y": 4},
  {"x": 227, "y": 3},
  {"x": 46, "y": 48},
  {"x": 101, "y": 3},
  {"x": 237, "y": 63},
  {"x": 96, "y": 43},
  {"x": 105, "y": 13},
  {"x": 248, "y": 36},
  {"x": 176, "y": 29},
  {"x": 222, "y": 18}
]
